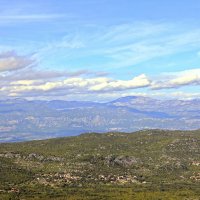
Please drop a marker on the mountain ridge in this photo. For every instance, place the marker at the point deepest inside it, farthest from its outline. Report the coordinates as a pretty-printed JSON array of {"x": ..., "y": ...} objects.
[{"x": 21, "y": 119}]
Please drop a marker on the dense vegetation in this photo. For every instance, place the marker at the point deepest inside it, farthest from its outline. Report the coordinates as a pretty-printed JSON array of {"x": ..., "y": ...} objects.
[{"x": 150, "y": 164}]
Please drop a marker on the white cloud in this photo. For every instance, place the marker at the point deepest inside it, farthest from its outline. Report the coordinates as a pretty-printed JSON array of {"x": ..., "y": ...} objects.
[
  {"x": 18, "y": 79},
  {"x": 136, "y": 82},
  {"x": 24, "y": 82},
  {"x": 98, "y": 84},
  {"x": 176, "y": 80}
]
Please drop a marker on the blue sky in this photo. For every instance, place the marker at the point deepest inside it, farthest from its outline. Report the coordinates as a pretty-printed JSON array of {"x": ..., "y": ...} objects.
[{"x": 99, "y": 49}]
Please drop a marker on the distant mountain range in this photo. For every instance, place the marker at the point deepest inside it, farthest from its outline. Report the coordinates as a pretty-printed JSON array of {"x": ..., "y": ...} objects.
[{"x": 27, "y": 120}]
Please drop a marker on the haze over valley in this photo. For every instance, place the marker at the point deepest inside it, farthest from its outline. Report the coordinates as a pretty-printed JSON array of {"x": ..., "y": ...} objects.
[{"x": 27, "y": 120}]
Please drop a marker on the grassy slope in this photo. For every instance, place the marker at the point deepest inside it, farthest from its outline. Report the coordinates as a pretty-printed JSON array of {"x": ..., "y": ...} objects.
[{"x": 163, "y": 169}]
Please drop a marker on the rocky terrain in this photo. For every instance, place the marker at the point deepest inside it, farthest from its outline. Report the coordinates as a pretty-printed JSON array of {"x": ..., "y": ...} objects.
[{"x": 148, "y": 164}]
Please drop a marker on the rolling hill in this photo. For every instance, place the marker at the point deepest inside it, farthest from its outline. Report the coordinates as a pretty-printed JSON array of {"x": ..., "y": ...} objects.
[{"x": 148, "y": 164}]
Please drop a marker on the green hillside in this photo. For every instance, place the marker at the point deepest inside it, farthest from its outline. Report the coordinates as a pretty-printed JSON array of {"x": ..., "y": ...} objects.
[{"x": 149, "y": 164}]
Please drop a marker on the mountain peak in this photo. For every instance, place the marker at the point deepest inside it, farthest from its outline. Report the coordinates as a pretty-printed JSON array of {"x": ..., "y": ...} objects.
[{"x": 130, "y": 98}]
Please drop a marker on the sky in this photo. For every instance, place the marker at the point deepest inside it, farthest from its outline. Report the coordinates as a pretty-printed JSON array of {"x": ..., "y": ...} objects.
[{"x": 99, "y": 50}]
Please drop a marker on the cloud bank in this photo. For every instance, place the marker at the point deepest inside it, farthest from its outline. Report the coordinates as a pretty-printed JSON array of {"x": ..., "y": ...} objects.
[
  {"x": 176, "y": 80},
  {"x": 19, "y": 78}
]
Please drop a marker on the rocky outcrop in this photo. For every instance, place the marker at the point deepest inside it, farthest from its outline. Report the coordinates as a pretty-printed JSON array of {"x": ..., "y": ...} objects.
[
  {"x": 123, "y": 161},
  {"x": 32, "y": 156}
]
